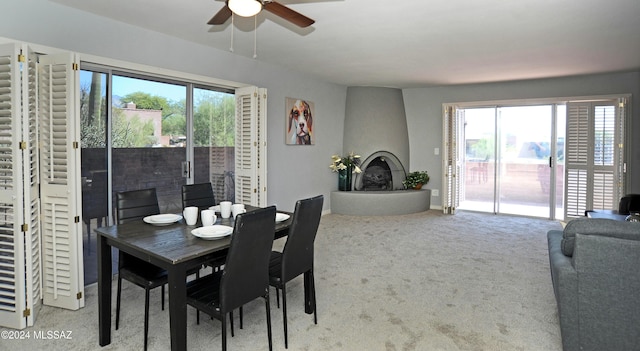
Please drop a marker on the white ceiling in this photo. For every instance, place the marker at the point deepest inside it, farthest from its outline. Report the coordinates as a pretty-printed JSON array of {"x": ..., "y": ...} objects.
[{"x": 410, "y": 43}]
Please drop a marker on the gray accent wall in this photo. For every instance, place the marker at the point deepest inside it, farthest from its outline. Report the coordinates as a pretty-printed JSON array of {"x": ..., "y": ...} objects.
[{"x": 375, "y": 121}]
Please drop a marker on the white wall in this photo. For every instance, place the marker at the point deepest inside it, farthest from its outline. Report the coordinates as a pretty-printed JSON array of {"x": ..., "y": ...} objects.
[
  {"x": 423, "y": 107},
  {"x": 294, "y": 172}
]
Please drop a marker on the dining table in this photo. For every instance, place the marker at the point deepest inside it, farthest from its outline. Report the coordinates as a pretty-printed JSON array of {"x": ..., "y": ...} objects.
[
  {"x": 607, "y": 214},
  {"x": 174, "y": 248}
]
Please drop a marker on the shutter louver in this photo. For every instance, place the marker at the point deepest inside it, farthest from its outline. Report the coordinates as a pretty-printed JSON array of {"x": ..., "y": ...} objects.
[
  {"x": 250, "y": 150},
  {"x": 576, "y": 160},
  {"x": 19, "y": 250},
  {"x": 451, "y": 130},
  {"x": 62, "y": 270},
  {"x": 12, "y": 288},
  {"x": 594, "y": 157}
]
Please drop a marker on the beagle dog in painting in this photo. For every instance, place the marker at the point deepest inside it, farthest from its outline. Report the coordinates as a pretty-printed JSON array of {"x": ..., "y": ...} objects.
[{"x": 301, "y": 120}]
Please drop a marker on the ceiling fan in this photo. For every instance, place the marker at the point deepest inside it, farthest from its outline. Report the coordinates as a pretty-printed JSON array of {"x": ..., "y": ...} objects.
[{"x": 249, "y": 8}]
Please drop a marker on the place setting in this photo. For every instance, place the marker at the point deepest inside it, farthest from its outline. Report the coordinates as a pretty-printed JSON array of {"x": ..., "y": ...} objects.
[
  {"x": 162, "y": 219},
  {"x": 209, "y": 230}
]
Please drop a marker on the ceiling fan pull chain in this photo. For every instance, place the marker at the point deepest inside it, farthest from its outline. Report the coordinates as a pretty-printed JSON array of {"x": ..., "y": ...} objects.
[
  {"x": 231, "y": 48},
  {"x": 255, "y": 36}
]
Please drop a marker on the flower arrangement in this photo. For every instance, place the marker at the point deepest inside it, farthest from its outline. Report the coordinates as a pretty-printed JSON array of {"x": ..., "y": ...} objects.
[
  {"x": 415, "y": 180},
  {"x": 343, "y": 162}
]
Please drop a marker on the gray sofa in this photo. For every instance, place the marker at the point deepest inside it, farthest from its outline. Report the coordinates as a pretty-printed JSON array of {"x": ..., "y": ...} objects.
[{"x": 595, "y": 270}]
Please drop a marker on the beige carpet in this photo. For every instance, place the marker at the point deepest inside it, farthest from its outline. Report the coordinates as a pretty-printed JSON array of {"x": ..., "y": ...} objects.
[{"x": 415, "y": 282}]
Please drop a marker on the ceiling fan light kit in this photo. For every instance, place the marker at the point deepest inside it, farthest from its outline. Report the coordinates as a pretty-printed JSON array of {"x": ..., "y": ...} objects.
[
  {"x": 249, "y": 8},
  {"x": 245, "y": 8}
]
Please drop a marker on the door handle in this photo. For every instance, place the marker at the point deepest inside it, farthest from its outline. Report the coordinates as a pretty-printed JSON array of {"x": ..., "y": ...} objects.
[
  {"x": 186, "y": 169},
  {"x": 550, "y": 162}
]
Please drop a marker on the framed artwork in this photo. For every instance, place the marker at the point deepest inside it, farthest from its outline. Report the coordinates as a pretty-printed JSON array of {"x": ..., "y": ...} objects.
[{"x": 299, "y": 122}]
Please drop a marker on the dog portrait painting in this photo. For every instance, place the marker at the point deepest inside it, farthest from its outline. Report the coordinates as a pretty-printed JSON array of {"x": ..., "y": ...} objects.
[{"x": 299, "y": 122}]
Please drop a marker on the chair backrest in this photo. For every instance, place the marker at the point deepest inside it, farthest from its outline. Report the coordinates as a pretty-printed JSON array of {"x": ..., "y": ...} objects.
[
  {"x": 199, "y": 195},
  {"x": 136, "y": 204},
  {"x": 629, "y": 203},
  {"x": 297, "y": 255},
  {"x": 246, "y": 271}
]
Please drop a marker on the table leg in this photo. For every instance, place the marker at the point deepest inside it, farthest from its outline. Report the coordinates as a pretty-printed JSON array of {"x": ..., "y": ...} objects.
[
  {"x": 178, "y": 307},
  {"x": 104, "y": 291}
]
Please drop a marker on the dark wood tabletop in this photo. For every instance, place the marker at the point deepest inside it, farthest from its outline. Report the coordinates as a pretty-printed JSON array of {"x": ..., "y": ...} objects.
[
  {"x": 608, "y": 214},
  {"x": 171, "y": 247}
]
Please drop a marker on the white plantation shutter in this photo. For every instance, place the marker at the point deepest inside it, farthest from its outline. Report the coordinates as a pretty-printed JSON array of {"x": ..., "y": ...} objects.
[
  {"x": 451, "y": 159},
  {"x": 250, "y": 153},
  {"x": 31, "y": 181},
  {"x": 594, "y": 156},
  {"x": 19, "y": 241},
  {"x": 62, "y": 269},
  {"x": 261, "y": 118}
]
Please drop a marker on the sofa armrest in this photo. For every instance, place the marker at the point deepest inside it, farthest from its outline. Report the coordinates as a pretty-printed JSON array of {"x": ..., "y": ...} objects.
[
  {"x": 565, "y": 287},
  {"x": 608, "y": 292}
]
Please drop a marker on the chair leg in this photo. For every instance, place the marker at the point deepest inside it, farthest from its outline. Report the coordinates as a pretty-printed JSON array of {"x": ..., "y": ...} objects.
[
  {"x": 231, "y": 322},
  {"x": 284, "y": 314},
  {"x": 268, "y": 308},
  {"x": 277, "y": 297},
  {"x": 313, "y": 298},
  {"x": 118, "y": 301},
  {"x": 162, "y": 288},
  {"x": 240, "y": 317},
  {"x": 146, "y": 317},
  {"x": 89, "y": 235},
  {"x": 224, "y": 333}
]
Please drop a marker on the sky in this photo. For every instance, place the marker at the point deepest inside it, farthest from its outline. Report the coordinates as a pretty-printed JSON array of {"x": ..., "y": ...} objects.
[{"x": 123, "y": 86}]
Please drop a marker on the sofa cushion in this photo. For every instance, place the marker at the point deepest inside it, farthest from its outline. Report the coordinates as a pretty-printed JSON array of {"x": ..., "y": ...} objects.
[{"x": 597, "y": 226}]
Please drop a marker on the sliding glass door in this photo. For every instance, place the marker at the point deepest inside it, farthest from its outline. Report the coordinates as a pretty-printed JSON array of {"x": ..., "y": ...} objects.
[
  {"x": 510, "y": 153},
  {"x": 149, "y": 138},
  {"x": 141, "y": 132}
]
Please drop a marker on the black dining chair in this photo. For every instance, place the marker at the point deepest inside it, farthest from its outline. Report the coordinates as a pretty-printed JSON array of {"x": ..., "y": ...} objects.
[
  {"x": 629, "y": 203},
  {"x": 199, "y": 195},
  {"x": 297, "y": 256},
  {"x": 131, "y": 206},
  {"x": 246, "y": 272}
]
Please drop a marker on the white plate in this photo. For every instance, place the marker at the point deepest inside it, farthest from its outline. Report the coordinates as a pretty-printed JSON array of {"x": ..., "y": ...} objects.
[
  {"x": 216, "y": 208},
  {"x": 212, "y": 232},
  {"x": 162, "y": 219},
  {"x": 281, "y": 217}
]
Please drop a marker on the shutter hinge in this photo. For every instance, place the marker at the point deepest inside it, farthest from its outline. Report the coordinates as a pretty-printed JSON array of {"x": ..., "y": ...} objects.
[
  {"x": 255, "y": 94},
  {"x": 26, "y": 313},
  {"x": 255, "y": 190},
  {"x": 74, "y": 66},
  {"x": 24, "y": 227},
  {"x": 76, "y": 219},
  {"x": 21, "y": 58},
  {"x": 79, "y": 295},
  {"x": 255, "y": 143},
  {"x": 75, "y": 144},
  {"x": 23, "y": 145}
]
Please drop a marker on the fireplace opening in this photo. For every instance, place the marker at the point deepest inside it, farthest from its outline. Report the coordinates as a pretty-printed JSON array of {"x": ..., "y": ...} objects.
[
  {"x": 377, "y": 176},
  {"x": 381, "y": 171}
]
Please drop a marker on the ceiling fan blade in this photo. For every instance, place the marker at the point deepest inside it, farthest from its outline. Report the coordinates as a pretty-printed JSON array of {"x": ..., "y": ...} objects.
[
  {"x": 288, "y": 14},
  {"x": 222, "y": 16}
]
